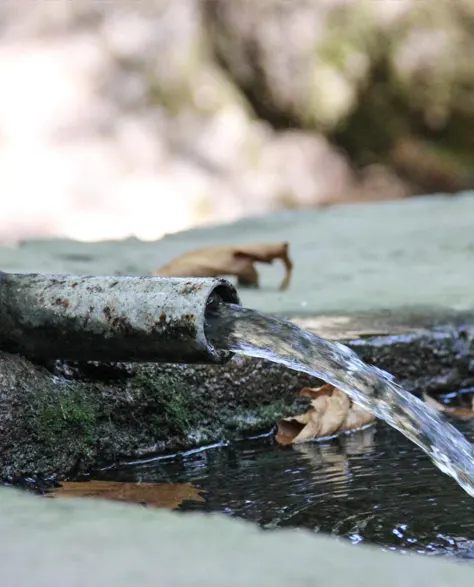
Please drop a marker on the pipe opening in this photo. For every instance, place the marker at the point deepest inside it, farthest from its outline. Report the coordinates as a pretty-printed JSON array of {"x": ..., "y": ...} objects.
[{"x": 221, "y": 294}]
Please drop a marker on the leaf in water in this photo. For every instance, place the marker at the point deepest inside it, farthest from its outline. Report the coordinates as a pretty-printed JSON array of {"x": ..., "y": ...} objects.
[
  {"x": 160, "y": 495},
  {"x": 331, "y": 412},
  {"x": 454, "y": 411},
  {"x": 224, "y": 261},
  {"x": 356, "y": 418}
]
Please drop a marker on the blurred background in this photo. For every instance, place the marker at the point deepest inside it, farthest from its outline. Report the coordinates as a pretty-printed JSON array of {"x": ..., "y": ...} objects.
[{"x": 144, "y": 117}]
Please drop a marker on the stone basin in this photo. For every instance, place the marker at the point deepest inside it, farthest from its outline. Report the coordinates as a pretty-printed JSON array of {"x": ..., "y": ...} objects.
[
  {"x": 96, "y": 543},
  {"x": 393, "y": 280}
]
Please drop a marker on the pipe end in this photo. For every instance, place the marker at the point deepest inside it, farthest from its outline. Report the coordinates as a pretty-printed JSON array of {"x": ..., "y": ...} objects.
[{"x": 223, "y": 292}]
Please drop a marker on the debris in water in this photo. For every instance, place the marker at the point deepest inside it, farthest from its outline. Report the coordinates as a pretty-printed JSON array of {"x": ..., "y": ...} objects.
[
  {"x": 460, "y": 412},
  {"x": 331, "y": 412},
  {"x": 159, "y": 495}
]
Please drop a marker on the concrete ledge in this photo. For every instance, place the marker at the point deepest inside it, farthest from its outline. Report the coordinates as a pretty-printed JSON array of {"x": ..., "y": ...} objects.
[
  {"x": 88, "y": 543},
  {"x": 354, "y": 258}
]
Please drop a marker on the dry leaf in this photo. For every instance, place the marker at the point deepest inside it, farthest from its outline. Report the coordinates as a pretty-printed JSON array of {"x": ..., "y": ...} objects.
[
  {"x": 331, "y": 412},
  {"x": 224, "y": 261},
  {"x": 455, "y": 412},
  {"x": 160, "y": 495},
  {"x": 356, "y": 417}
]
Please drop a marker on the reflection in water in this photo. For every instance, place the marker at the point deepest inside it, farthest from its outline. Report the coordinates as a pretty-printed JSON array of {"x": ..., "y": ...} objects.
[
  {"x": 334, "y": 464},
  {"x": 371, "y": 486},
  {"x": 251, "y": 333}
]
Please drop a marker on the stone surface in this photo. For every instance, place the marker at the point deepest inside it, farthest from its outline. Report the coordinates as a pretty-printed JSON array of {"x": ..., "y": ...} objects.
[
  {"x": 392, "y": 280},
  {"x": 349, "y": 259},
  {"x": 95, "y": 544},
  {"x": 69, "y": 419}
]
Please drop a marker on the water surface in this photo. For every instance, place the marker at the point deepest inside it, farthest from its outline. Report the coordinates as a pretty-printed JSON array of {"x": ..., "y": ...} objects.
[{"x": 373, "y": 486}]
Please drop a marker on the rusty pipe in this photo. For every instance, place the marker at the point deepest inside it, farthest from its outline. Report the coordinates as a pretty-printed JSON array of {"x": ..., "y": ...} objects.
[{"x": 93, "y": 318}]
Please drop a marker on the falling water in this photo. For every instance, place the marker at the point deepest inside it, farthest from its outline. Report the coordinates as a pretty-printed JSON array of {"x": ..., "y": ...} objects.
[{"x": 251, "y": 333}]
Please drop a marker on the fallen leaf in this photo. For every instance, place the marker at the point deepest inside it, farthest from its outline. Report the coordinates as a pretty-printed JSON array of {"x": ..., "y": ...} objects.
[
  {"x": 160, "y": 495},
  {"x": 456, "y": 412},
  {"x": 356, "y": 417},
  {"x": 331, "y": 412},
  {"x": 225, "y": 261},
  {"x": 329, "y": 408}
]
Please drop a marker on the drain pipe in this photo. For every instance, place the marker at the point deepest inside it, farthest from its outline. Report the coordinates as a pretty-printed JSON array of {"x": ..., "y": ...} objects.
[{"x": 82, "y": 318}]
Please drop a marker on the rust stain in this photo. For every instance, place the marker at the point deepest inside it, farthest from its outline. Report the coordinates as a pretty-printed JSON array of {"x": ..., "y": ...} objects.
[
  {"x": 61, "y": 302},
  {"x": 119, "y": 323},
  {"x": 189, "y": 288}
]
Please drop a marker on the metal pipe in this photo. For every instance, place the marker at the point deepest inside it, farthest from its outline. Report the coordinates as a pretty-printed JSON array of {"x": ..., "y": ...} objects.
[{"x": 87, "y": 318}]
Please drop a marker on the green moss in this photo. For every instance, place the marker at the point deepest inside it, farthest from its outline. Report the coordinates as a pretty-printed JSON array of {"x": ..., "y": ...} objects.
[
  {"x": 69, "y": 418},
  {"x": 245, "y": 422},
  {"x": 275, "y": 410},
  {"x": 167, "y": 399}
]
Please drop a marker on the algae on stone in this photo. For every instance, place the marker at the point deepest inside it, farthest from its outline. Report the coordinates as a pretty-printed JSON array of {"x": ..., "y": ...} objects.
[{"x": 66, "y": 419}]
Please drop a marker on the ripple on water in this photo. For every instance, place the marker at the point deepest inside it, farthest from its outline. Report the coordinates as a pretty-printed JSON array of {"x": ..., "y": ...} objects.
[{"x": 373, "y": 486}]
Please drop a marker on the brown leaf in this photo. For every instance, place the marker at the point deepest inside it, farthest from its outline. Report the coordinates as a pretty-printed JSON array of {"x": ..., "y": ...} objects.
[
  {"x": 331, "y": 412},
  {"x": 455, "y": 412},
  {"x": 160, "y": 495},
  {"x": 288, "y": 430},
  {"x": 225, "y": 261},
  {"x": 356, "y": 418},
  {"x": 316, "y": 392}
]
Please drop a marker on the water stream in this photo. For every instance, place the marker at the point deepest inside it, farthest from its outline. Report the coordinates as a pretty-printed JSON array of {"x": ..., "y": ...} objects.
[{"x": 254, "y": 334}]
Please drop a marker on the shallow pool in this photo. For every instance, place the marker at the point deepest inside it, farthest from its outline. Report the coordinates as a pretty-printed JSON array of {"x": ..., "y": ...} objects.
[{"x": 372, "y": 486}]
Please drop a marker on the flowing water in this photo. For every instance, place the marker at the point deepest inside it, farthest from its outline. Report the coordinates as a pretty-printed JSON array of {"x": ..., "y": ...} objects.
[{"x": 251, "y": 333}]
